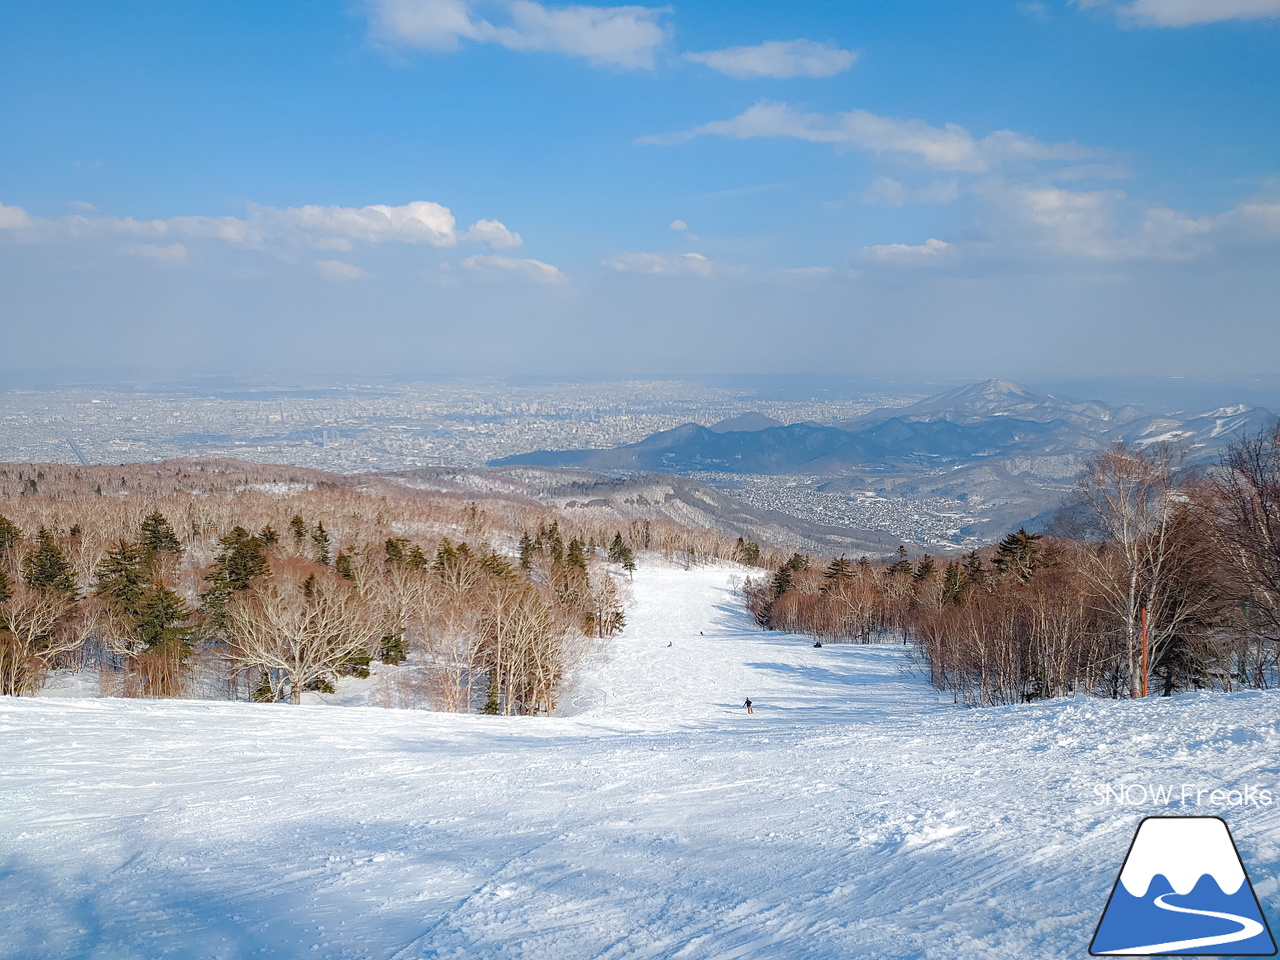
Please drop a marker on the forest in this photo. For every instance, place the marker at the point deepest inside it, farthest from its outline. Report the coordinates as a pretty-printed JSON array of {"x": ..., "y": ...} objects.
[
  {"x": 1152, "y": 579},
  {"x": 225, "y": 580}
]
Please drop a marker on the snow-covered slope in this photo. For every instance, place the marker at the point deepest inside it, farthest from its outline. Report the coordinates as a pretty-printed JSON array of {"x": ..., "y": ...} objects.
[{"x": 855, "y": 814}]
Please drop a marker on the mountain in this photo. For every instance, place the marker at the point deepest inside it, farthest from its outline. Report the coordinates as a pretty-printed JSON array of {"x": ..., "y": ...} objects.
[
  {"x": 1006, "y": 446},
  {"x": 745, "y": 422}
]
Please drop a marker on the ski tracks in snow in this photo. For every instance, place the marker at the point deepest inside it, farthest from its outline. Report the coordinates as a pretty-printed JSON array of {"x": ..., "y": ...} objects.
[{"x": 856, "y": 813}]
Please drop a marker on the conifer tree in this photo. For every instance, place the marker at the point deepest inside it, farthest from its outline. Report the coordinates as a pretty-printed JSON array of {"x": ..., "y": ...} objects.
[
  {"x": 395, "y": 549},
  {"x": 616, "y": 546},
  {"x": 526, "y": 551},
  {"x": 6, "y": 591},
  {"x": 839, "y": 569},
  {"x": 924, "y": 569},
  {"x": 9, "y": 535},
  {"x": 321, "y": 540},
  {"x": 299, "y": 528},
  {"x": 158, "y": 537},
  {"x": 346, "y": 569},
  {"x": 46, "y": 568},
  {"x": 1020, "y": 555}
]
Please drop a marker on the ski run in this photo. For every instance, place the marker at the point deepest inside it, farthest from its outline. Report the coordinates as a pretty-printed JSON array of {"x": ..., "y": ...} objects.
[{"x": 856, "y": 813}]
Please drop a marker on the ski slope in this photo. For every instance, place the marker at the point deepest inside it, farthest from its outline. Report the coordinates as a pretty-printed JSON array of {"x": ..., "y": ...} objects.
[{"x": 855, "y": 814}]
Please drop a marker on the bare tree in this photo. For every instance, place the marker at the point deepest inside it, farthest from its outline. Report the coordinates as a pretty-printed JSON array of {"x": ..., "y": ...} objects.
[
  {"x": 298, "y": 636},
  {"x": 1131, "y": 491}
]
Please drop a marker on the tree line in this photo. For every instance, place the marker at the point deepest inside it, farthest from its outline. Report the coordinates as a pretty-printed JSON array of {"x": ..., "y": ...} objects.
[
  {"x": 1153, "y": 578},
  {"x": 254, "y": 594}
]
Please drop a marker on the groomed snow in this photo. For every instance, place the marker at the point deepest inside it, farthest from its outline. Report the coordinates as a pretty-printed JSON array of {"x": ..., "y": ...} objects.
[{"x": 855, "y": 814}]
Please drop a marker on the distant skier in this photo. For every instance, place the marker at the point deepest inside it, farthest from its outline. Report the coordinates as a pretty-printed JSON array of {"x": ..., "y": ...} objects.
[
  {"x": 817, "y": 643},
  {"x": 748, "y": 705}
]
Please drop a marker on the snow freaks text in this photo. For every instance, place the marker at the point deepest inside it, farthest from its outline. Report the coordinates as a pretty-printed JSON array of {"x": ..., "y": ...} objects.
[{"x": 1181, "y": 795}]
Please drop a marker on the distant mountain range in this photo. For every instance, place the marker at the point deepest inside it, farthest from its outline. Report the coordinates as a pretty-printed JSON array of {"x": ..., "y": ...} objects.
[
  {"x": 995, "y": 442},
  {"x": 995, "y": 420}
]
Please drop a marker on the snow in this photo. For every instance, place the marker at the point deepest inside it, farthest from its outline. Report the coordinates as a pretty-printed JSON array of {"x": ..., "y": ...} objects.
[{"x": 856, "y": 814}]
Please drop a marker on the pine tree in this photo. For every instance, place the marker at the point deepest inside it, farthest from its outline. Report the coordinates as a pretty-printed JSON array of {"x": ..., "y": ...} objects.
[
  {"x": 526, "y": 551},
  {"x": 345, "y": 567},
  {"x": 46, "y": 568},
  {"x": 395, "y": 549},
  {"x": 9, "y": 535},
  {"x": 902, "y": 567},
  {"x": 268, "y": 536},
  {"x": 954, "y": 583},
  {"x": 577, "y": 556},
  {"x": 628, "y": 562},
  {"x": 299, "y": 528},
  {"x": 6, "y": 591},
  {"x": 121, "y": 577},
  {"x": 838, "y": 569},
  {"x": 158, "y": 537},
  {"x": 1019, "y": 554},
  {"x": 321, "y": 539},
  {"x": 924, "y": 569},
  {"x": 616, "y": 547}
]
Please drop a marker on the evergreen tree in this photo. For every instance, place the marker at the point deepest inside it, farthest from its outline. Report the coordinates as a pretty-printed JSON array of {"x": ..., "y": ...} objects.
[
  {"x": 902, "y": 567},
  {"x": 975, "y": 573},
  {"x": 838, "y": 569},
  {"x": 526, "y": 551},
  {"x": 395, "y": 549},
  {"x": 6, "y": 591},
  {"x": 1019, "y": 554},
  {"x": 9, "y": 535},
  {"x": 346, "y": 569},
  {"x": 321, "y": 540},
  {"x": 748, "y": 551},
  {"x": 122, "y": 578},
  {"x": 268, "y": 536},
  {"x": 954, "y": 582},
  {"x": 924, "y": 569},
  {"x": 616, "y": 547},
  {"x": 628, "y": 561},
  {"x": 299, "y": 528},
  {"x": 161, "y": 617},
  {"x": 577, "y": 556},
  {"x": 158, "y": 537},
  {"x": 241, "y": 558},
  {"x": 782, "y": 581},
  {"x": 46, "y": 568}
]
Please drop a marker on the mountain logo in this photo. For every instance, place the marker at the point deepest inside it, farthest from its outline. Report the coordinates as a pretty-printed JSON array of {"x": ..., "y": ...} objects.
[{"x": 1182, "y": 890}]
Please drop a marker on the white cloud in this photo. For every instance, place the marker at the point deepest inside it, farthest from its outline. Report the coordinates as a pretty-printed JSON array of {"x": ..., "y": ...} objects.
[
  {"x": 81, "y": 206},
  {"x": 1186, "y": 13},
  {"x": 14, "y": 218},
  {"x": 314, "y": 227},
  {"x": 891, "y": 193},
  {"x": 172, "y": 253},
  {"x": 631, "y": 261},
  {"x": 337, "y": 270},
  {"x": 624, "y": 36},
  {"x": 334, "y": 243},
  {"x": 494, "y": 233},
  {"x": 925, "y": 252},
  {"x": 679, "y": 226},
  {"x": 527, "y": 269},
  {"x": 950, "y": 147},
  {"x": 780, "y": 59}
]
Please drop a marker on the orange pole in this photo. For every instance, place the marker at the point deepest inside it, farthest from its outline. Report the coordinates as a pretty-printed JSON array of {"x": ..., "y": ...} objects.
[{"x": 1144, "y": 651}]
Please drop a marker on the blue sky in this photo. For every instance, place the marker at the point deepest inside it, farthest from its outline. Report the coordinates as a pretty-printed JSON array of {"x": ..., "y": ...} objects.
[{"x": 416, "y": 187}]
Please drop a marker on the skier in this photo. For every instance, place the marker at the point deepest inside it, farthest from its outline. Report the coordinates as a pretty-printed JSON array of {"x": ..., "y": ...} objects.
[{"x": 748, "y": 705}]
